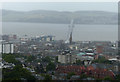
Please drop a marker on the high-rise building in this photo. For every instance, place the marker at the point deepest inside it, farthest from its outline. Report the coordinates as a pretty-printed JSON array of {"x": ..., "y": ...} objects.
[
  {"x": 6, "y": 48},
  {"x": 66, "y": 58}
]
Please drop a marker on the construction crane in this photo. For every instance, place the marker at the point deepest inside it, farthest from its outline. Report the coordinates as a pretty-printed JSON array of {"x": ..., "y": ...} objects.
[{"x": 70, "y": 31}]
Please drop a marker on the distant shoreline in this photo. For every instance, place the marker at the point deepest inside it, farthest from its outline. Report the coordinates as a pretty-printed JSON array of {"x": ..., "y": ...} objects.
[
  {"x": 55, "y": 17},
  {"x": 53, "y": 23}
]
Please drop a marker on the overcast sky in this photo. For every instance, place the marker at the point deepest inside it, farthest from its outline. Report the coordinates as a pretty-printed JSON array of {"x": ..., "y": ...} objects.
[{"x": 61, "y": 6}]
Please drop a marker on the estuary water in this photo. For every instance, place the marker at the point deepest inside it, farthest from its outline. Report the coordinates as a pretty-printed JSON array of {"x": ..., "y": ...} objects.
[{"x": 60, "y": 31}]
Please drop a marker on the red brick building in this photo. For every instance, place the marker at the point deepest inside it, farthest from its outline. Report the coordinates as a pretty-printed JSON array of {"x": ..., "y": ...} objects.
[
  {"x": 89, "y": 71},
  {"x": 99, "y": 49}
]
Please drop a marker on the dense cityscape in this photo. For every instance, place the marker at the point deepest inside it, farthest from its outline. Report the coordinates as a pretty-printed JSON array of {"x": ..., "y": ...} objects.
[
  {"x": 44, "y": 58},
  {"x": 60, "y": 42}
]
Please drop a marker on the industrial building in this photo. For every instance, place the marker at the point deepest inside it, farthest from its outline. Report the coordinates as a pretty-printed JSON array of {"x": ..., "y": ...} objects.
[
  {"x": 44, "y": 38},
  {"x": 47, "y": 38}
]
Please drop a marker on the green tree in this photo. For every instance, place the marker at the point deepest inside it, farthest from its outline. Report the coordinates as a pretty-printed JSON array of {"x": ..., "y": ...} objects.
[
  {"x": 10, "y": 59},
  {"x": 83, "y": 76},
  {"x": 118, "y": 77},
  {"x": 17, "y": 73},
  {"x": 79, "y": 62},
  {"x": 47, "y": 59},
  {"x": 102, "y": 59},
  {"x": 56, "y": 58},
  {"x": 39, "y": 69},
  {"x": 107, "y": 78},
  {"x": 70, "y": 75},
  {"x": 30, "y": 58},
  {"x": 51, "y": 66},
  {"x": 48, "y": 78}
]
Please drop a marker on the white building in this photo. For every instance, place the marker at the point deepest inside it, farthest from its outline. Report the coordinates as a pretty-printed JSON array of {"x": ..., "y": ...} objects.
[
  {"x": 67, "y": 58},
  {"x": 6, "y": 48}
]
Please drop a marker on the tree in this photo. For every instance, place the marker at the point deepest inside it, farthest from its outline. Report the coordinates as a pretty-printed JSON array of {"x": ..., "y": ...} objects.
[
  {"x": 39, "y": 69},
  {"x": 48, "y": 78},
  {"x": 79, "y": 62},
  {"x": 102, "y": 59},
  {"x": 118, "y": 77},
  {"x": 50, "y": 67},
  {"x": 10, "y": 59},
  {"x": 107, "y": 78},
  {"x": 17, "y": 73},
  {"x": 83, "y": 76},
  {"x": 56, "y": 58},
  {"x": 46, "y": 59},
  {"x": 70, "y": 75},
  {"x": 30, "y": 58}
]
